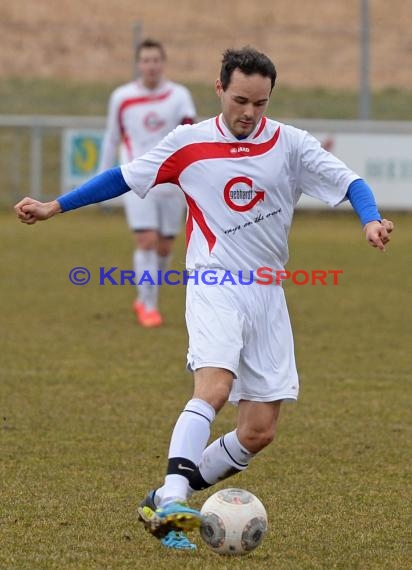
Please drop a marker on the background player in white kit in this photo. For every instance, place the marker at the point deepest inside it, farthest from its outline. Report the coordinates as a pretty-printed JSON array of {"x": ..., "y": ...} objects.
[
  {"x": 240, "y": 339},
  {"x": 140, "y": 114}
]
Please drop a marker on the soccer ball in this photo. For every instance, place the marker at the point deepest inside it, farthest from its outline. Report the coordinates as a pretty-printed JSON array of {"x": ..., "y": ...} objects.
[{"x": 234, "y": 522}]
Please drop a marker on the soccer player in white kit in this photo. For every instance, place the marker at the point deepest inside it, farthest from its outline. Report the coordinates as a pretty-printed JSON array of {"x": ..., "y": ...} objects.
[
  {"x": 242, "y": 175},
  {"x": 140, "y": 114}
]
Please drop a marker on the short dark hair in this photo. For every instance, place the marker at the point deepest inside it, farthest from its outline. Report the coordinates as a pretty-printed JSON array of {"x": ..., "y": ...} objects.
[
  {"x": 149, "y": 43},
  {"x": 248, "y": 61}
]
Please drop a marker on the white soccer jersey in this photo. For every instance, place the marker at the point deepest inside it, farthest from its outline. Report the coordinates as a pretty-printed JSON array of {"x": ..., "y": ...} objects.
[
  {"x": 138, "y": 118},
  {"x": 241, "y": 195}
]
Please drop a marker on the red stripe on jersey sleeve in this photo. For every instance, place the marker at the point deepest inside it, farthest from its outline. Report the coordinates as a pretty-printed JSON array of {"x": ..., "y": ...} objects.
[{"x": 177, "y": 162}]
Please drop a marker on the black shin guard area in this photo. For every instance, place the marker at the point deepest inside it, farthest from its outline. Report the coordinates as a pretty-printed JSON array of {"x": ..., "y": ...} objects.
[
  {"x": 197, "y": 483},
  {"x": 181, "y": 466}
]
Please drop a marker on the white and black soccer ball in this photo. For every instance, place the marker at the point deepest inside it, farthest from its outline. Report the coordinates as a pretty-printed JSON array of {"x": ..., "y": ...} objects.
[{"x": 234, "y": 522}]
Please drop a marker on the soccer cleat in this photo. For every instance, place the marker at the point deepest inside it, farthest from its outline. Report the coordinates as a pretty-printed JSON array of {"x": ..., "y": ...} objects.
[
  {"x": 149, "y": 501},
  {"x": 145, "y": 515},
  {"x": 174, "y": 516},
  {"x": 147, "y": 318},
  {"x": 151, "y": 318},
  {"x": 177, "y": 541}
]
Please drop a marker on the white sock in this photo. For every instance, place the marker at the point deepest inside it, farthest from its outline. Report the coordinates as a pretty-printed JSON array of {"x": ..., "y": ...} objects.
[
  {"x": 163, "y": 262},
  {"x": 189, "y": 438},
  {"x": 146, "y": 260},
  {"x": 224, "y": 457}
]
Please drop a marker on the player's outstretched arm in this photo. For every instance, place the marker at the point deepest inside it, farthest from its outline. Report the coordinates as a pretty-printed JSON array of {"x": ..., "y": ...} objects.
[
  {"x": 376, "y": 229},
  {"x": 109, "y": 184},
  {"x": 377, "y": 233},
  {"x": 30, "y": 211}
]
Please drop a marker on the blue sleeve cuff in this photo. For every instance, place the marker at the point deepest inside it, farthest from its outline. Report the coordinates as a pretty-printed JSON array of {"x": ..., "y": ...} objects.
[
  {"x": 104, "y": 186},
  {"x": 363, "y": 202}
]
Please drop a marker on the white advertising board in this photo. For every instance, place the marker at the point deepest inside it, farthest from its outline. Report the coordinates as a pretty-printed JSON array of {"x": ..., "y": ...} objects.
[{"x": 383, "y": 160}]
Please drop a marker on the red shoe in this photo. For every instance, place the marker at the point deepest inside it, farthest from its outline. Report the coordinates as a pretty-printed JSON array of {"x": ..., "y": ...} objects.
[
  {"x": 151, "y": 318},
  {"x": 147, "y": 318}
]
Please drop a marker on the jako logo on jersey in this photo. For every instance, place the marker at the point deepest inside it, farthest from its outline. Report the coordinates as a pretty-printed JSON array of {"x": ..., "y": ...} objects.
[
  {"x": 240, "y": 196},
  {"x": 236, "y": 150},
  {"x": 153, "y": 122}
]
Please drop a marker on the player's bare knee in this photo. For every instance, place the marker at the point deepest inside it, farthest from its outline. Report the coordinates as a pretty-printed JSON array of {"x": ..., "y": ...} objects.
[
  {"x": 146, "y": 240},
  {"x": 216, "y": 398},
  {"x": 164, "y": 251},
  {"x": 213, "y": 385},
  {"x": 165, "y": 246},
  {"x": 256, "y": 440}
]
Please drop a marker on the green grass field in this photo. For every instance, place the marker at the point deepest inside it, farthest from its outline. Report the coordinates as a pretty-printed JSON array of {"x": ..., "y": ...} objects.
[{"x": 88, "y": 400}]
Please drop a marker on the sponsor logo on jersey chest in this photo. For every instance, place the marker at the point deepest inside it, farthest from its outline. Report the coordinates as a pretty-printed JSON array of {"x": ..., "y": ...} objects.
[
  {"x": 153, "y": 122},
  {"x": 241, "y": 195}
]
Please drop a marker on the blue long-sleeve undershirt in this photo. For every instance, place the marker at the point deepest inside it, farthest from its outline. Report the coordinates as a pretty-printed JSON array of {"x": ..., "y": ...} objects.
[
  {"x": 104, "y": 186},
  {"x": 363, "y": 202}
]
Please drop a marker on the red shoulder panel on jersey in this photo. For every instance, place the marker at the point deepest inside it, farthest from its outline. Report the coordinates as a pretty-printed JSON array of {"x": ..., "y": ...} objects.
[
  {"x": 177, "y": 162},
  {"x": 137, "y": 101},
  {"x": 144, "y": 99}
]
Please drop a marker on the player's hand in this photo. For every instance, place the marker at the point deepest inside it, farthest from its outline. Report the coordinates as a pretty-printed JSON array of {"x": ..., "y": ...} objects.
[
  {"x": 377, "y": 233},
  {"x": 30, "y": 211}
]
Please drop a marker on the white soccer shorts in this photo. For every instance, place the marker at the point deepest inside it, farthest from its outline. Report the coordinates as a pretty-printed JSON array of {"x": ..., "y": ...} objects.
[
  {"x": 244, "y": 329},
  {"x": 161, "y": 210}
]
